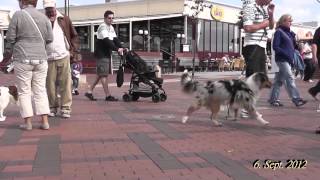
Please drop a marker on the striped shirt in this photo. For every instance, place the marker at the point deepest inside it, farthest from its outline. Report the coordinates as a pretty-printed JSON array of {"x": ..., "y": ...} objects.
[{"x": 253, "y": 14}]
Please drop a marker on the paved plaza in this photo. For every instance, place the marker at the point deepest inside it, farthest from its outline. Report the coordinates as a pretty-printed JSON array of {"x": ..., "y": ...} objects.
[{"x": 146, "y": 140}]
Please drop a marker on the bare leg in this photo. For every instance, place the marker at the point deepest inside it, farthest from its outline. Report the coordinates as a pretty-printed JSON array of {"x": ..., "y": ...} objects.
[
  {"x": 27, "y": 125},
  {"x": 190, "y": 110},
  {"x": 95, "y": 82},
  {"x": 45, "y": 123},
  {"x": 104, "y": 81}
]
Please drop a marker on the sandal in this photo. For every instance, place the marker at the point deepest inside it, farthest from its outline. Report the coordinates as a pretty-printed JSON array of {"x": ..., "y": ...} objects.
[
  {"x": 90, "y": 96},
  {"x": 276, "y": 104},
  {"x": 111, "y": 98}
]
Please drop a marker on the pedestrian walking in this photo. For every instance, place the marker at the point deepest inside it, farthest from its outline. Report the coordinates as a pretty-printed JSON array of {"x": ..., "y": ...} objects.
[
  {"x": 28, "y": 34},
  {"x": 315, "y": 58},
  {"x": 284, "y": 48},
  {"x": 257, "y": 19},
  {"x": 107, "y": 41}
]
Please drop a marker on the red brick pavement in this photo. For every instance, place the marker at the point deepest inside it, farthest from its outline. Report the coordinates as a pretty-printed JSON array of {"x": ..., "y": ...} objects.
[{"x": 144, "y": 140}]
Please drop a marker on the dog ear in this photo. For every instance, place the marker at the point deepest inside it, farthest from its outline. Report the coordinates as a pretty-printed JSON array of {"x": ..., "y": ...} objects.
[{"x": 14, "y": 92}]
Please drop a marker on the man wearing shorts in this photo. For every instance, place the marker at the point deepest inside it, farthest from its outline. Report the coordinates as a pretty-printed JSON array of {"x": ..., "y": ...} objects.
[{"x": 107, "y": 42}]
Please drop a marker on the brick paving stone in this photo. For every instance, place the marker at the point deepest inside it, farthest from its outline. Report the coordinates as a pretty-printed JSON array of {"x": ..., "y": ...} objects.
[{"x": 96, "y": 142}]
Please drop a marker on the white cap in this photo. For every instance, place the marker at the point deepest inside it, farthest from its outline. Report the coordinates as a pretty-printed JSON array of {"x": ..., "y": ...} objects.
[{"x": 49, "y": 3}]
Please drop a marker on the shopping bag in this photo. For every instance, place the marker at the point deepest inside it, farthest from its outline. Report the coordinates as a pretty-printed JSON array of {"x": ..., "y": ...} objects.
[{"x": 120, "y": 76}]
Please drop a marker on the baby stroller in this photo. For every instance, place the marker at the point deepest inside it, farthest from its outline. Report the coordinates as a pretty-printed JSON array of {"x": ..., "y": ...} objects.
[{"x": 144, "y": 82}]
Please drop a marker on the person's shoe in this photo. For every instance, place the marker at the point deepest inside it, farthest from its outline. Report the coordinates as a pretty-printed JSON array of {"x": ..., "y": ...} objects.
[
  {"x": 53, "y": 112},
  {"x": 300, "y": 102},
  {"x": 65, "y": 114},
  {"x": 76, "y": 92},
  {"x": 310, "y": 81},
  {"x": 314, "y": 95},
  {"x": 90, "y": 96},
  {"x": 26, "y": 127},
  {"x": 111, "y": 98},
  {"x": 45, "y": 126},
  {"x": 276, "y": 104}
]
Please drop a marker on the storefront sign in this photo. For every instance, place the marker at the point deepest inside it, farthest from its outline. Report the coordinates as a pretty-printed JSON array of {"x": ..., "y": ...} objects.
[
  {"x": 217, "y": 12},
  {"x": 186, "y": 48}
]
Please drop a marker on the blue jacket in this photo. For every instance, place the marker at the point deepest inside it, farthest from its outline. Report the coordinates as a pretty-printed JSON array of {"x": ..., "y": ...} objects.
[{"x": 284, "y": 45}]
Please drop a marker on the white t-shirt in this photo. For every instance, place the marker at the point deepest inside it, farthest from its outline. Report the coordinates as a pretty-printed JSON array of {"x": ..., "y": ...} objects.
[
  {"x": 106, "y": 31},
  {"x": 307, "y": 51}
]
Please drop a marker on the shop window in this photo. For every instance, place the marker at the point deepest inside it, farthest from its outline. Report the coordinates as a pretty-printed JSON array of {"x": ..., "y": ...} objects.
[
  {"x": 200, "y": 35},
  {"x": 219, "y": 36},
  {"x": 231, "y": 38},
  {"x": 122, "y": 32},
  {"x": 84, "y": 34},
  {"x": 213, "y": 36},
  {"x": 237, "y": 39},
  {"x": 207, "y": 36},
  {"x": 225, "y": 40},
  {"x": 140, "y": 35}
]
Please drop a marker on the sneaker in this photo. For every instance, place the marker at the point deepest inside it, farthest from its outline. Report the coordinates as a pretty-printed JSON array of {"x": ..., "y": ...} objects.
[
  {"x": 314, "y": 95},
  {"x": 53, "y": 112},
  {"x": 45, "y": 126},
  {"x": 76, "y": 92},
  {"x": 300, "y": 102},
  {"x": 27, "y": 127},
  {"x": 90, "y": 96},
  {"x": 310, "y": 81},
  {"x": 276, "y": 104},
  {"x": 111, "y": 98},
  {"x": 65, "y": 115}
]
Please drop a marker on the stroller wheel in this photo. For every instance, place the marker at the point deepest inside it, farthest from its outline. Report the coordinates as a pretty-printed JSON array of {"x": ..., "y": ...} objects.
[
  {"x": 135, "y": 97},
  {"x": 155, "y": 98},
  {"x": 163, "y": 97},
  {"x": 126, "y": 97}
]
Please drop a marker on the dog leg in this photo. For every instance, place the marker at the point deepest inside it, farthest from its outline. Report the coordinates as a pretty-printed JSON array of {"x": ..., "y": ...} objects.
[
  {"x": 214, "y": 113},
  {"x": 2, "y": 118},
  {"x": 190, "y": 110},
  {"x": 256, "y": 115},
  {"x": 235, "y": 114}
]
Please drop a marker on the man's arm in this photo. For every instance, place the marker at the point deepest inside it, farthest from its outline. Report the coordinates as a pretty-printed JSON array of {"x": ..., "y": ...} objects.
[{"x": 270, "y": 13}]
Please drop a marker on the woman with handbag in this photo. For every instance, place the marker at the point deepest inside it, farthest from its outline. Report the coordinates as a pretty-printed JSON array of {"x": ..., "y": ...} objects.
[{"x": 28, "y": 34}]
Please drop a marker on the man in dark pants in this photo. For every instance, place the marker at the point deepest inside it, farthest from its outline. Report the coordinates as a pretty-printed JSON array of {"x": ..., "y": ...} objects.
[
  {"x": 256, "y": 20},
  {"x": 315, "y": 56}
]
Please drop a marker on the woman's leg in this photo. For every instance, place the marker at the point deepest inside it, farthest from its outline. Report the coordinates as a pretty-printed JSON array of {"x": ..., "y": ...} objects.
[{"x": 275, "y": 91}]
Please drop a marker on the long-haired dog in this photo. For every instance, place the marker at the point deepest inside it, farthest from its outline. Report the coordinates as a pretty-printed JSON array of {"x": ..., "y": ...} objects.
[
  {"x": 234, "y": 93},
  {"x": 7, "y": 95}
]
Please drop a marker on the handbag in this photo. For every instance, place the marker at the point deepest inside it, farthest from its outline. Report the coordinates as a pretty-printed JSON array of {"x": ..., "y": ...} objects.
[{"x": 120, "y": 73}]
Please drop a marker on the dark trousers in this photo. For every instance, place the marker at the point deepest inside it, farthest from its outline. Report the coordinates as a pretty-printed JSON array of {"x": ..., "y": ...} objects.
[
  {"x": 315, "y": 89},
  {"x": 309, "y": 69},
  {"x": 255, "y": 57}
]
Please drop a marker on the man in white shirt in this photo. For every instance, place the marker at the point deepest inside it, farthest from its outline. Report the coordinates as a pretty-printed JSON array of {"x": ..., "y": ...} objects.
[{"x": 60, "y": 52}]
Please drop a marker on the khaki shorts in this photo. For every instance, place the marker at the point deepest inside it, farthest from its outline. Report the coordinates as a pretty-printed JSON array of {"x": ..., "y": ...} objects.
[{"x": 103, "y": 67}]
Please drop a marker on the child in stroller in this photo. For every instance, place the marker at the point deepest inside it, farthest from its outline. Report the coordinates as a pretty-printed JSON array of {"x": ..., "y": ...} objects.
[{"x": 144, "y": 82}]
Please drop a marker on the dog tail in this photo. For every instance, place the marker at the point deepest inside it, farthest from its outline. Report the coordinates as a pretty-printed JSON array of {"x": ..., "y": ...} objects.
[{"x": 187, "y": 84}]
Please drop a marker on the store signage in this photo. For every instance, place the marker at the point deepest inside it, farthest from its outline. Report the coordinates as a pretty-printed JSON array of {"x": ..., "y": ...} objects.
[{"x": 217, "y": 12}]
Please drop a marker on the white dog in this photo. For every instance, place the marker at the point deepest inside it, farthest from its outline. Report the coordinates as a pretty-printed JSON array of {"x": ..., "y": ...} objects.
[{"x": 7, "y": 95}]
